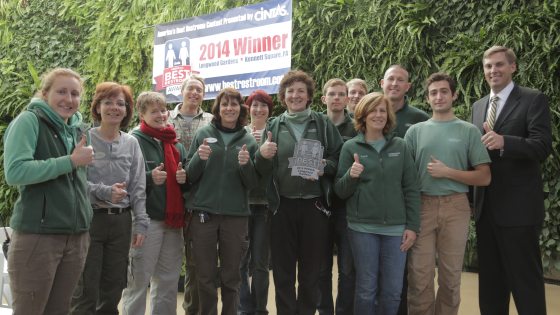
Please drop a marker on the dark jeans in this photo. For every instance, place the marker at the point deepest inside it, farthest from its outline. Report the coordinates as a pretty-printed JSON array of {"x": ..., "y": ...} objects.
[
  {"x": 298, "y": 239},
  {"x": 253, "y": 293},
  {"x": 338, "y": 234},
  {"x": 103, "y": 279}
]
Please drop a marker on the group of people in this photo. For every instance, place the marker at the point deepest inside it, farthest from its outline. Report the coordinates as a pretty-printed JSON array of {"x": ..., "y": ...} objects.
[{"x": 103, "y": 214}]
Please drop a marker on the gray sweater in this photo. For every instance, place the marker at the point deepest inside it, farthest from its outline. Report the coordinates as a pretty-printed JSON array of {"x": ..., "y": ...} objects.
[{"x": 115, "y": 162}]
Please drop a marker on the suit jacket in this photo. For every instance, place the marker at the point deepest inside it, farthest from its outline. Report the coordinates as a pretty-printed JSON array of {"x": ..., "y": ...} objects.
[{"x": 515, "y": 196}]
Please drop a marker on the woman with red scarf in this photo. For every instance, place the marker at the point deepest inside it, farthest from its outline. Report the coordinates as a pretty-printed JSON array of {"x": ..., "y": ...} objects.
[{"x": 158, "y": 261}]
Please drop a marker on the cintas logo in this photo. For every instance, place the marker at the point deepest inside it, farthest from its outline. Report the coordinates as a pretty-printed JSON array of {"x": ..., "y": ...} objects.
[{"x": 263, "y": 14}]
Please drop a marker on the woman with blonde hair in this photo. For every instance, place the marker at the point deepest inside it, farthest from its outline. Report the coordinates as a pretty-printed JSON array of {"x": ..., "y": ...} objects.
[
  {"x": 157, "y": 263},
  {"x": 377, "y": 176},
  {"x": 45, "y": 154}
]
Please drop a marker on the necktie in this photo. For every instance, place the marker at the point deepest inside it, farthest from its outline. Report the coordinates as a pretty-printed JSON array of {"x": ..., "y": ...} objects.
[{"x": 491, "y": 119}]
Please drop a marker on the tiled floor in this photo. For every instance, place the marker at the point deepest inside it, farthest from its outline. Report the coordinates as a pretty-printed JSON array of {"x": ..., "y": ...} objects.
[{"x": 469, "y": 297}]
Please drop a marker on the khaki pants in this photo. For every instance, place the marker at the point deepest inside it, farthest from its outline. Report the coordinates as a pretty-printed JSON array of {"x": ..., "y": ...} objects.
[
  {"x": 44, "y": 270},
  {"x": 444, "y": 224},
  {"x": 156, "y": 263}
]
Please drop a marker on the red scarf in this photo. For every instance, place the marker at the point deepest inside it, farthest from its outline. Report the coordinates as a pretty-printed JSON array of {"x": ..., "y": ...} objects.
[{"x": 174, "y": 207}]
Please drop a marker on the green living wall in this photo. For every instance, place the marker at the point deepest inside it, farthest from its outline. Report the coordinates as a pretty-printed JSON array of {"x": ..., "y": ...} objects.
[{"x": 112, "y": 40}]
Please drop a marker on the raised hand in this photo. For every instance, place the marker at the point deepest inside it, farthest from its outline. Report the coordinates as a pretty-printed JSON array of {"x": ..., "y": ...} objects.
[
  {"x": 243, "y": 156},
  {"x": 82, "y": 154},
  {"x": 268, "y": 148},
  {"x": 491, "y": 139},
  {"x": 204, "y": 150},
  {"x": 181, "y": 174},
  {"x": 118, "y": 192},
  {"x": 357, "y": 168},
  {"x": 159, "y": 175},
  {"x": 257, "y": 134}
]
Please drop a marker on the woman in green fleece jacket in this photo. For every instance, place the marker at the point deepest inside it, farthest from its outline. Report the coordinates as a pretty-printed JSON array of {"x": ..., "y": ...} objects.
[
  {"x": 157, "y": 263},
  {"x": 378, "y": 178},
  {"x": 221, "y": 171},
  {"x": 45, "y": 154},
  {"x": 299, "y": 227}
]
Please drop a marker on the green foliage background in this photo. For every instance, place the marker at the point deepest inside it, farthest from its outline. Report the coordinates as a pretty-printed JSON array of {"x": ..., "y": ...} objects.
[{"x": 112, "y": 40}]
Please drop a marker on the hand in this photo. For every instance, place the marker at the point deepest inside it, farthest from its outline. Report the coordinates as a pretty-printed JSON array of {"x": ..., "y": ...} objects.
[
  {"x": 257, "y": 135},
  {"x": 437, "y": 168},
  {"x": 491, "y": 139},
  {"x": 243, "y": 156},
  {"x": 321, "y": 172},
  {"x": 204, "y": 150},
  {"x": 181, "y": 174},
  {"x": 138, "y": 240},
  {"x": 159, "y": 175},
  {"x": 357, "y": 168},
  {"x": 118, "y": 192},
  {"x": 268, "y": 148},
  {"x": 408, "y": 239},
  {"x": 82, "y": 154}
]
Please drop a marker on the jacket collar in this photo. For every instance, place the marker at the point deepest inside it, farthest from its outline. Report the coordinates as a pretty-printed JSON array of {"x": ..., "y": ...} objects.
[{"x": 176, "y": 111}]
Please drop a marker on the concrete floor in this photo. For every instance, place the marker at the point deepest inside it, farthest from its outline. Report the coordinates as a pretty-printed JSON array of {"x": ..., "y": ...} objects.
[{"x": 469, "y": 297}]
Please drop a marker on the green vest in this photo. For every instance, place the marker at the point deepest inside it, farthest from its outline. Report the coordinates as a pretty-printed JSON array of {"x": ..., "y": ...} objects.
[{"x": 57, "y": 206}]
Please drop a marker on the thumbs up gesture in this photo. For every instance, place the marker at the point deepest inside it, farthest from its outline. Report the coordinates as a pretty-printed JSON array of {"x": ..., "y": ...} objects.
[
  {"x": 243, "y": 156},
  {"x": 257, "y": 134},
  {"x": 204, "y": 150},
  {"x": 159, "y": 175},
  {"x": 357, "y": 168},
  {"x": 491, "y": 139},
  {"x": 118, "y": 192},
  {"x": 82, "y": 154},
  {"x": 268, "y": 148},
  {"x": 437, "y": 168},
  {"x": 181, "y": 174}
]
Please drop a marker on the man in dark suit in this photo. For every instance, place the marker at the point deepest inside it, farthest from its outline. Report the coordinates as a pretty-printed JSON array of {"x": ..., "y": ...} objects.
[{"x": 509, "y": 213}]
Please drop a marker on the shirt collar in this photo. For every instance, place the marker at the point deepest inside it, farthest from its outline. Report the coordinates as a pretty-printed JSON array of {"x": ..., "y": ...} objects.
[
  {"x": 177, "y": 111},
  {"x": 504, "y": 93}
]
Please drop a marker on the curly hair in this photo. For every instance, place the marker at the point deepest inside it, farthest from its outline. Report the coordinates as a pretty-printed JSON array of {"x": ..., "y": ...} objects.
[{"x": 296, "y": 76}]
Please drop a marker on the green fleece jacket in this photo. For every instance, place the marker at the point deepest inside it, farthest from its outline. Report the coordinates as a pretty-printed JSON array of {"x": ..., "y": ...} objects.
[
  {"x": 318, "y": 127},
  {"x": 387, "y": 192},
  {"x": 53, "y": 196},
  {"x": 220, "y": 185},
  {"x": 153, "y": 156}
]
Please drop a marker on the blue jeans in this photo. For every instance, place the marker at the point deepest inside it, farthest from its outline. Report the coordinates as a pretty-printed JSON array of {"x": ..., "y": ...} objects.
[
  {"x": 253, "y": 295},
  {"x": 346, "y": 273},
  {"x": 379, "y": 264}
]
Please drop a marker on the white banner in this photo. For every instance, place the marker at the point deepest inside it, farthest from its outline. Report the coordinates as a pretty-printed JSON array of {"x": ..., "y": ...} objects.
[{"x": 247, "y": 48}]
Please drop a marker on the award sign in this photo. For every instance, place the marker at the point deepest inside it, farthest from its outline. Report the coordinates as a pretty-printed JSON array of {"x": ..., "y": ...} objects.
[{"x": 308, "y": 159}]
